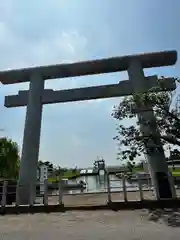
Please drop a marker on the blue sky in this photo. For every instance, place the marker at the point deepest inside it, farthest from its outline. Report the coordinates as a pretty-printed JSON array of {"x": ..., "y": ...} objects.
[{"x": 53, "y": 31}]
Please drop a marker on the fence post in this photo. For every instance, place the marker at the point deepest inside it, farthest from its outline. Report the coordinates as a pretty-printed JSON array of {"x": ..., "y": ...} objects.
[
  {"x": 4, "y": 193},
  {"x": 108, "y": 187},
  {"x": 17, "y": 195},
  {"x": 60, "y": 195},
  {"x": 140, "y": 189},
  {"x": 124, "y": 188},
  {"x": 31, "y": 195},
  {"x": 173, "y": 189},
  {"x": 45, "y": 192}
]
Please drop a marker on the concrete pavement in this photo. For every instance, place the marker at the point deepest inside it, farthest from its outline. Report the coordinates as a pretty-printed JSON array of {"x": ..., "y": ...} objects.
[{"x": 125, "y": 225}]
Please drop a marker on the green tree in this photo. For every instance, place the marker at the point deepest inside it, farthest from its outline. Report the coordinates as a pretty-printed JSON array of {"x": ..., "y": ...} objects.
[
  {"x": 167, "y": 112},
  {"x": 48, "y": 164},
  {"x": 130, "y": 166},
  {"x": 9, "y": 158}
]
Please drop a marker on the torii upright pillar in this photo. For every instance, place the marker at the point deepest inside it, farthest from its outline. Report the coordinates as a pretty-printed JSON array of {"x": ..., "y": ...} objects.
[
  {"x": 153, "y": 149},
  {"x": 31, "y": 140}
]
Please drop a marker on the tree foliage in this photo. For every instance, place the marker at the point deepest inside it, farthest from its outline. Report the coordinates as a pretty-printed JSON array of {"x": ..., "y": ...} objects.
[
  {"x": 167, "y": 112},
  {"x": 9, "y": 158},
  {"x": 130, "y": 166}
]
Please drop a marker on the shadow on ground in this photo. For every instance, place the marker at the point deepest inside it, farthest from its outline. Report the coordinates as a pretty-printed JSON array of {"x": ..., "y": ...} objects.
[{"x": 170, "y": 217}]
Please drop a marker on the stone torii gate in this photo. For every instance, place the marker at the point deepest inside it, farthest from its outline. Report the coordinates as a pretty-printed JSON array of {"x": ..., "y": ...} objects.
[{"x": 36, "y": 96}]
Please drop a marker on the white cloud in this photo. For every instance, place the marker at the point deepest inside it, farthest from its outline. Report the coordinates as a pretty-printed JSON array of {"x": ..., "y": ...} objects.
[
  {"x": 66, "y": 46},
  {"x": 5, "y": 35},
  {"x": 33, "y": 34},
  {"x": 62, "y": 46}
]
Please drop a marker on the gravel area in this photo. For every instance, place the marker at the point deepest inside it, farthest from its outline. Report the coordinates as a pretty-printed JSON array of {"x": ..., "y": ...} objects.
[{"x": 96, "y": 225}]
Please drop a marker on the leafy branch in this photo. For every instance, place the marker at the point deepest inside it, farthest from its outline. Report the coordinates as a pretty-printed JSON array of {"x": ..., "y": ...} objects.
[{"x": 166, "y": 110}]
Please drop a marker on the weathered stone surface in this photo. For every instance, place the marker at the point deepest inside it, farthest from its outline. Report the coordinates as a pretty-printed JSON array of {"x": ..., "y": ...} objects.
[{"x": 107, "y": 65}]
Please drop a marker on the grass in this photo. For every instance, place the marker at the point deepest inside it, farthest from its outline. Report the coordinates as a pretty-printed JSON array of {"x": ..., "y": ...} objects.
[
  {"x": 175, "y": 172},
  {"x": 69, "y": 175}
]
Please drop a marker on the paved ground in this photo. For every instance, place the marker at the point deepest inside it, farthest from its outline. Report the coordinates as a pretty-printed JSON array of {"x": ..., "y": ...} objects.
[
  {"x": 98, "y": 198},
  {"x": 125, "y": 225}
]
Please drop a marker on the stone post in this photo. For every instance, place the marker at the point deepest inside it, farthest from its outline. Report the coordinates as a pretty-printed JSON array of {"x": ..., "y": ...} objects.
[
  {"x": 140, "y": 189},
  {"x": 45, "y": 197},
  {"x": 60, "y": 192},
  {"x": 124, "y": 188},
  {"x": 31, "y": 140},
  {"x": 4, "y": 194},
  {"x": 148, "y": 127},
  {"x": 108, "y": 187}
]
